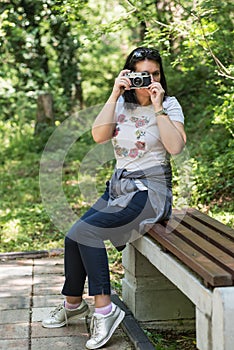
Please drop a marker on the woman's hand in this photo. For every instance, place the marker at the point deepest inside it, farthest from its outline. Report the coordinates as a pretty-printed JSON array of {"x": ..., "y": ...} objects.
[
  {"x": 104, "y": 124},
  {"x": 122, "y": 83},
  {"x": 156, "y": 94}
]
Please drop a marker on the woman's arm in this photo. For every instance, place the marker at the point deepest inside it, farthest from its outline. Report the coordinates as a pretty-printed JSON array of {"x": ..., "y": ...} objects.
[
  {"x": 104, "y": 124},
  {"x": 172, "y": 133}
]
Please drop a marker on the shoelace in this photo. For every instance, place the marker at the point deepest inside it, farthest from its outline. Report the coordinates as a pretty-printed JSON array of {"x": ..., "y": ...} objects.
[
  {"x": 57, "y": 309},
  {"x": 94, "y": 327}
]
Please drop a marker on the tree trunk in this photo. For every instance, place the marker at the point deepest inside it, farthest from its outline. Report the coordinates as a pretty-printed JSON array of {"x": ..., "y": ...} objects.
[
  {"x": 45, "y": 113},
  {"x": 77, "y": 99}
]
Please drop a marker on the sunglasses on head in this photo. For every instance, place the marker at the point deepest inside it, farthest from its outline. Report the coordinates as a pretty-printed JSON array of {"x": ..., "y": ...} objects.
[{"x": 143, "y": 53}]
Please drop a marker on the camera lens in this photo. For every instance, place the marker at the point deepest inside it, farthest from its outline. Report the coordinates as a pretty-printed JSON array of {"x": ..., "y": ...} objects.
[{"x": 137, "y": 81}]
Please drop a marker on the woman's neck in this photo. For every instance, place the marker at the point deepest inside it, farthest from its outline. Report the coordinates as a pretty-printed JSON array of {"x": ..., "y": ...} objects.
[{"x": 143, "y": 100}]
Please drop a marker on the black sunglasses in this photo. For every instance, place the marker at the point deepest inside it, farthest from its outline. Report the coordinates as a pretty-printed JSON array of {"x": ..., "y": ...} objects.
[{"x": 144, "y": 53}]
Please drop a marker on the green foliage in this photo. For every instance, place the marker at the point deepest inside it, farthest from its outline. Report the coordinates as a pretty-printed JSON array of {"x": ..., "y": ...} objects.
[{"x": 223, "y": 113}]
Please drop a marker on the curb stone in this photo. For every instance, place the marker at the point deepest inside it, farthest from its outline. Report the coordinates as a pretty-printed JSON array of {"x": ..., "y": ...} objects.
[
  {"x": 33, "y": 254},
  {"x": 132, "y": 328}
]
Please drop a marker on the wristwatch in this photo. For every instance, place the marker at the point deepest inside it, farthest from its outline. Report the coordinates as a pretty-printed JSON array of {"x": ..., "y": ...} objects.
[{"x": 161, "y": 112}]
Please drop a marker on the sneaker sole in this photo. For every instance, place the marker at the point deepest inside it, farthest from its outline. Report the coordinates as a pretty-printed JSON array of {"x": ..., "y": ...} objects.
[
  {"x": 113, "y": 328},
  {"x": 72, "y": 318}
]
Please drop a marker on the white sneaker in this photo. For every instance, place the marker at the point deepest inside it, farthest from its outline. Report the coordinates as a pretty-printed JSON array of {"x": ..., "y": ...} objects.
[
  {"x": 60, "y": 316},
  {"x": 103, "y": 326}
]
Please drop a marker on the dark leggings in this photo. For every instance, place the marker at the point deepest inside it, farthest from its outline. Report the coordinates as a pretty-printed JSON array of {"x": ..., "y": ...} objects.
[{"x": 85, "y": 253}]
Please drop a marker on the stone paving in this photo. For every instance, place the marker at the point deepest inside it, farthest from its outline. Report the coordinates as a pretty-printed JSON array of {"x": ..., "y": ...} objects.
[{"x": 29, "y": 290}]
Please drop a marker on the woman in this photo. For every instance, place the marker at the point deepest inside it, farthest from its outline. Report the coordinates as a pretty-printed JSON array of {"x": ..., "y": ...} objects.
[{"x": 146, "y": 127}]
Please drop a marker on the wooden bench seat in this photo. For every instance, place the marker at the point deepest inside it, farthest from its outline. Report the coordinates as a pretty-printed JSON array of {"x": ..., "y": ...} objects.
[
  {"x": 202, "y": 243},
  {"x": 181, "y": 272}
]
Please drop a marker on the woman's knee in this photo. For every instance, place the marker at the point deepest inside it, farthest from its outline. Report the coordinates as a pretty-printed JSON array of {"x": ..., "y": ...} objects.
[
  {"x": 74, "y": 231},
  {"x": 79, "y": 233}
]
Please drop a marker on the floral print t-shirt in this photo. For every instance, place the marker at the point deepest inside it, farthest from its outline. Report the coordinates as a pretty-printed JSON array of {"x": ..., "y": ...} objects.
[{"x": 136, "y": 140}]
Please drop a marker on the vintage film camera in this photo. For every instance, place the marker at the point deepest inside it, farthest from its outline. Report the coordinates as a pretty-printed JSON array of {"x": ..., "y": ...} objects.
[{"x": 139, "y": 79}]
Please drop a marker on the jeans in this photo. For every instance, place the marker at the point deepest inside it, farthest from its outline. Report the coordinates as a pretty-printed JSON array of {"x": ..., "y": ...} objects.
[{"x": 85, "y": 252}]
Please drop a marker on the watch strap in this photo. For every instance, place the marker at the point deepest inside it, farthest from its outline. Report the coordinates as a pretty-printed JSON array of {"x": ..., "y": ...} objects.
[{"x": 161, "y": 112}]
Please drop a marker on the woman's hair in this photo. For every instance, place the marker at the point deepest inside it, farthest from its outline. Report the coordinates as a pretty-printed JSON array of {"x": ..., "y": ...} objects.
[{"x": 137, "y": 55}]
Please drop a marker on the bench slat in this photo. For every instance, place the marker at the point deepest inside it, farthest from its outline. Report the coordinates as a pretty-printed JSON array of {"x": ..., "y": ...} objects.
[
  {"x": 210, "y": 234},
  {"x": 212, "y": 274},
  {"x": 211, "y": 222},
  {"x": 208, "y": 249}
]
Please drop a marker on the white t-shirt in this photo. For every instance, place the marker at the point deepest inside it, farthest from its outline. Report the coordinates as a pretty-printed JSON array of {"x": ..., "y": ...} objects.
[{"x": 136, "y": 141}]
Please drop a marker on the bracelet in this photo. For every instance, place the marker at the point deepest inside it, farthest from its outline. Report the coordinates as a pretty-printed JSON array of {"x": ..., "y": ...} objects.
[{"x": 161, "y": 112}]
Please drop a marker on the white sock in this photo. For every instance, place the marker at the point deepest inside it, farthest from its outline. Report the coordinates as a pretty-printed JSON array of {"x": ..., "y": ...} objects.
[
  {"x": 103, "y": 310},
  {"x": 71, "y": 306}
]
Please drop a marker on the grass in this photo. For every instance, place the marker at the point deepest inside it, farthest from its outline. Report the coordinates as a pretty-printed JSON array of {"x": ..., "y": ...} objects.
[{"x": 25, "y": 224}]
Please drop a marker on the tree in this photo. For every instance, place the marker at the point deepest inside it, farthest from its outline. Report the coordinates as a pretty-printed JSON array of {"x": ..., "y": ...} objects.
[{"x": 40, "y": 54}]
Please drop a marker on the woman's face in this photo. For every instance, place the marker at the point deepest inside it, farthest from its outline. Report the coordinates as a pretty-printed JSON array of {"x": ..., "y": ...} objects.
[{"x": 152, "y": 67}]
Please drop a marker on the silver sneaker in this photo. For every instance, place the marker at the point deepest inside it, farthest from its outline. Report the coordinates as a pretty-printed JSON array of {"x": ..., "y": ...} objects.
[
  {"x": 60, "y": 316},
  {"x": 103, "y": 326}
]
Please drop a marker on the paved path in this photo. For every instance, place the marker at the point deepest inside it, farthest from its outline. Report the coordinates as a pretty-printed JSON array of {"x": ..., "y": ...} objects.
[{"x": 29, "y": 289}]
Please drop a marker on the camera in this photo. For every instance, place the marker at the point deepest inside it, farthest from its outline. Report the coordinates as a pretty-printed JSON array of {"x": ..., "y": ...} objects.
[{"x": 139, "y": 79}]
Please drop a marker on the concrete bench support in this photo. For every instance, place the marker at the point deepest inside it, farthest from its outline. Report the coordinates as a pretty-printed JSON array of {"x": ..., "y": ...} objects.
[
  {"x": 151, "y": 296},
  {"x": 223, "y": 319},
  {"x": 159, "y": 289}
]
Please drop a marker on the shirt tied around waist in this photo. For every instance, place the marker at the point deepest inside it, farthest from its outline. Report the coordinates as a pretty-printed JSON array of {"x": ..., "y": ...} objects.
[{"x": 156, "y": 180}]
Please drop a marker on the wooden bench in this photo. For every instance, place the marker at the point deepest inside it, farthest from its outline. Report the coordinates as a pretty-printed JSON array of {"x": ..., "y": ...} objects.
[{"x": 181, "y": 272}]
